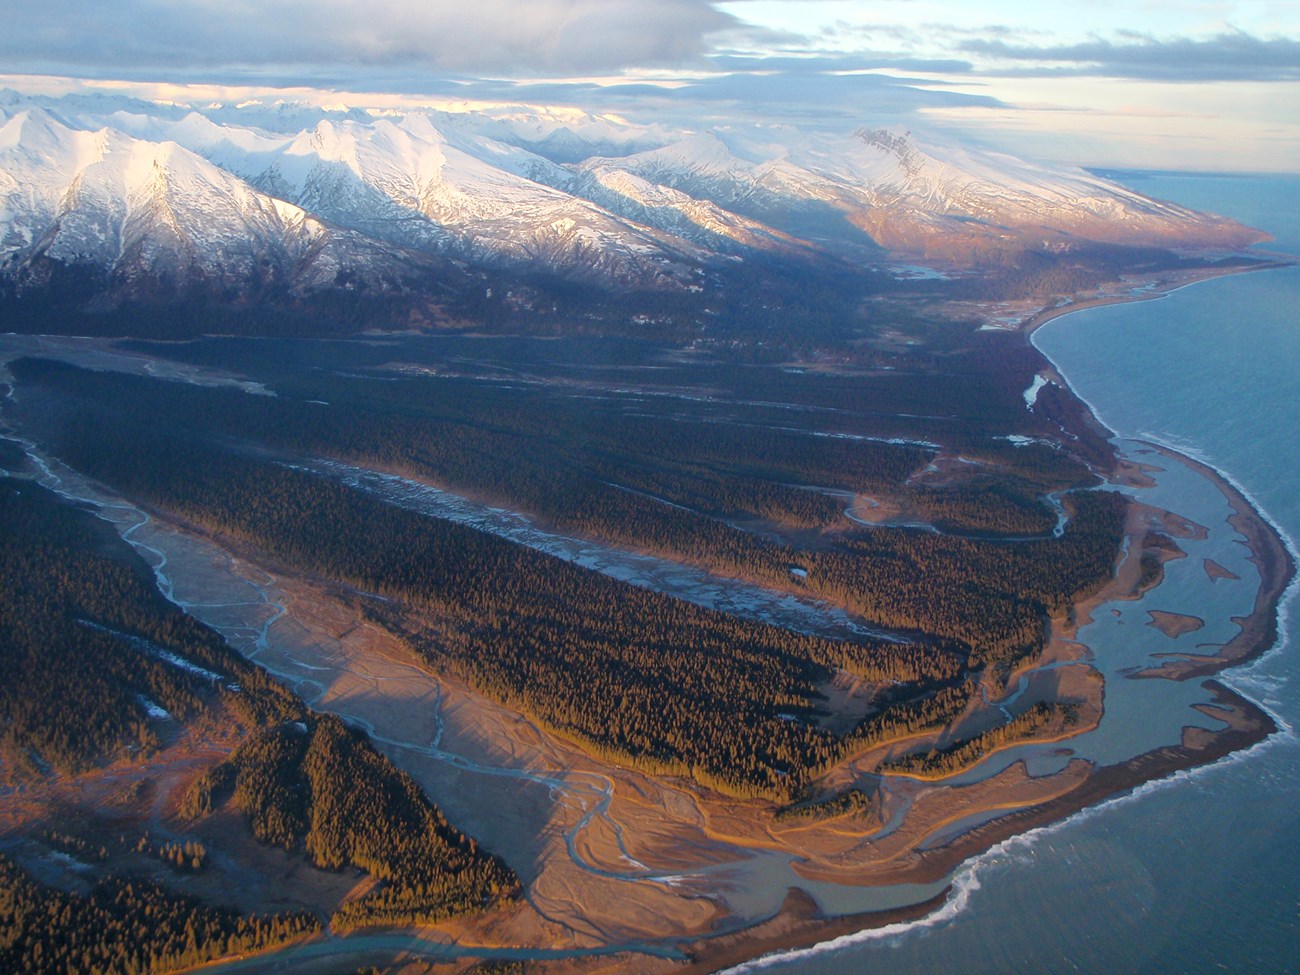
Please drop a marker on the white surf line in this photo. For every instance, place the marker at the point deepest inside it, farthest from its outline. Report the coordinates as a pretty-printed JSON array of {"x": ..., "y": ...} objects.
[{"x": 966, "y": 880}]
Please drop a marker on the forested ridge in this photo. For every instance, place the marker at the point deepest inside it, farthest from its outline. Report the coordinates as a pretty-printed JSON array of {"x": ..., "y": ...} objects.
[{"x": 319, "y": 786}]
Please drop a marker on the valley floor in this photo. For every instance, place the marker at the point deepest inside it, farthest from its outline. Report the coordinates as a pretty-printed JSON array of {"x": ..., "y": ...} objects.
[{"x": 625, "y": 871}]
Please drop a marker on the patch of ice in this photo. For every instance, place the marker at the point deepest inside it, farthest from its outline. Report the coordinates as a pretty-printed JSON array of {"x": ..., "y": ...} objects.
[
  {"x": 155, "y": 711},
  {"x": 1031, "y": 394},
  {"x": 155, "y": 651}
]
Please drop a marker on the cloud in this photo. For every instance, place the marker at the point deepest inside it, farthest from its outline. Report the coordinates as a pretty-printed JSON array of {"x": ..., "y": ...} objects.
[
  {"x": 832, "y": 63},
  {"x": 479, "y": 36},
  {"x": 1232, "y": 56},
  {"x": 812, "y": 94}
]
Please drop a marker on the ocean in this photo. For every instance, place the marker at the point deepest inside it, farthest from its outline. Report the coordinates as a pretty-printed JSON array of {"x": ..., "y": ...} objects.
[{"x": 1199, "y": 872}]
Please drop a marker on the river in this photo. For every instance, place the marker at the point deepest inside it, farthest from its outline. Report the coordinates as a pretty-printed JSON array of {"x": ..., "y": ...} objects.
[{"x": 1200, "y": 872}]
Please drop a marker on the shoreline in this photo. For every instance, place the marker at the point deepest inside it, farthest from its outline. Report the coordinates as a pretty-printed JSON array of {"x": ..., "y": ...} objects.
[
  {"x": 1248, "y": 723},
  {"x": 792, "y": 928},
  {"x": 1273, "y": 558},
  {"x": 1159, "y": 289},
  {"x": 1199, "y": 748},
  {"x": 798, "y": 924}
]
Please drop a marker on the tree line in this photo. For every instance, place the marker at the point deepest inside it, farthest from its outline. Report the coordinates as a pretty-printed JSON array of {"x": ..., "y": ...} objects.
[{"x": 124, "y": 927}]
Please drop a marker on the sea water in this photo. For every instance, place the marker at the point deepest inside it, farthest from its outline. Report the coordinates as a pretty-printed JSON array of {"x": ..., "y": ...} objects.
[{"x": 1200, "y": 872}]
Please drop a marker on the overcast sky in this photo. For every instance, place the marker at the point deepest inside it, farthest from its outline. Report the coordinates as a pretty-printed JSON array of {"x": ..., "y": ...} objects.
[{"x": 1194, "y": 84}]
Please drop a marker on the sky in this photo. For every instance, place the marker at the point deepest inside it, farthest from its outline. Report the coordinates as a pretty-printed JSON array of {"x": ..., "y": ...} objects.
[{"x": 1172, "y": 84}]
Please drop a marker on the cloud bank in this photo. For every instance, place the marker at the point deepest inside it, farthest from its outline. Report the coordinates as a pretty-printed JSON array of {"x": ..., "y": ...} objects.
[
  {"x": 487, "y": 36},
  {"x": 1005, "y": 67},
  {"x": 1230, "y": 56}
]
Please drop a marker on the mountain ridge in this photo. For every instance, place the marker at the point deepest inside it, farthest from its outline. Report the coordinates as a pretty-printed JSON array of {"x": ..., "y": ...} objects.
[{"x": 160, "y": 199}]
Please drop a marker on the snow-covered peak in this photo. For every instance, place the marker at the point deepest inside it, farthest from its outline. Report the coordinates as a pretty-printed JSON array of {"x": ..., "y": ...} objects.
[
  {"x": 921, "y": 196},
  {"x": 105, "y": 180},
  {"x": 699, "y": 220},
  {"x": 91, "y": 196},
  {"x": 702, "y": 154},
  {"x": 39, "y": 135}
]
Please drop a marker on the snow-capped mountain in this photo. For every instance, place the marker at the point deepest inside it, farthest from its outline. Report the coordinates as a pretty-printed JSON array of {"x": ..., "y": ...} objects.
[
  {"x": 702, "y": 221},
  {"x": 148, "y": 216},
  {"x": 234, "y": 197},
  {"x": 921, "y": 194},
  {"x": 470, "y": 196},
  {"x": 456, "y": 193},
  {"x": 919, "y": 199}
]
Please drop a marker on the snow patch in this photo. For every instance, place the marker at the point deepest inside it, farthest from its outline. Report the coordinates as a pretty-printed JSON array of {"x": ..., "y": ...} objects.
[
  {"x": 155, "y": 711},
  {"x": 1031, "y": 394}
]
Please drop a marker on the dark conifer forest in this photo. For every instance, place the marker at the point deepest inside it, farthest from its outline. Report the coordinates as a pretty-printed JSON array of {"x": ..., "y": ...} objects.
[
  {"x": 86, "y": 640},
  {"x": 631, "y": 674}
]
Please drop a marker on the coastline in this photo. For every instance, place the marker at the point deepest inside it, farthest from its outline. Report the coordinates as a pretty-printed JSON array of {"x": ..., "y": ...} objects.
[
  {"x": 1277, "y": 569},
  {"x": 795, "y": 930},
  {"x": 796, "y": 925},
  {"x": 1159, "y": 288},
  {"x": 1248, "y": 723}
]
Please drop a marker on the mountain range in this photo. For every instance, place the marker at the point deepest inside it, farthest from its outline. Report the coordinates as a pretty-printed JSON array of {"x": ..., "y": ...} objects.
[{"x": 143, "y": 201}]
